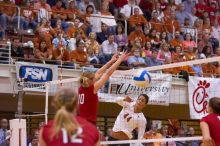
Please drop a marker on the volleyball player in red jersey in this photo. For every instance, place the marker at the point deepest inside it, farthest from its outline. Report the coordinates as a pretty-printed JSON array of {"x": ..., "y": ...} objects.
[
  {"x": 90, "y": 83},
  {"x": 66, "y": 129},
  {"x": 210, "y": 125}
]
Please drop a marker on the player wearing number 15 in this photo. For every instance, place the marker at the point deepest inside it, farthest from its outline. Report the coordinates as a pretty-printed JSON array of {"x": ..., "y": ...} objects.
[
  {"x": 90, "y": 83},
  {"x": 67, "y": 129}
]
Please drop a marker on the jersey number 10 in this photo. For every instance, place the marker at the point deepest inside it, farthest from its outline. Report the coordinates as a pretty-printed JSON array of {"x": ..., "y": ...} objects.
[{"x": 81, "y": 99}]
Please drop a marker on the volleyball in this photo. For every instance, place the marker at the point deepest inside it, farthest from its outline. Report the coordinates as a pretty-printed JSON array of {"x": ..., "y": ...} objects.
[{"x": 142, "y": 78}]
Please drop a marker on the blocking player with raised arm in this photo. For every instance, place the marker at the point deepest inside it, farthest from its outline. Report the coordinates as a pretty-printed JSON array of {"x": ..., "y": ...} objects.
[
  {"x": 130, "y": 118},
  {"x": 90, "y": 83},
  {"x": 210, "y": 125},
  {"x": 67, "y": 129}
]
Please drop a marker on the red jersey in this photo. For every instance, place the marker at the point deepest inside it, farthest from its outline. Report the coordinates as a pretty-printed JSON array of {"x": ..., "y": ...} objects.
[
  {"x": 88, "y": 103},
  {"x": 120, "y": 3},
  {"x": 88, "y": 137},
  {"x": 213, "y": 120}
]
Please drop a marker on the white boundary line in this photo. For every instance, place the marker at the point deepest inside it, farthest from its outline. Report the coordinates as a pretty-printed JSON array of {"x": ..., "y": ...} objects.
[{"x": 152, "y": 140}]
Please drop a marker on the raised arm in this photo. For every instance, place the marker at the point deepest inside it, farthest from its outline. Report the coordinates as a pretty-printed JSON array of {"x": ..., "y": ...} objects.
[
  {"x": 98, "y": 84},
  {"x": 103, "y": 69},
  {"x": 123, "y": 101}
]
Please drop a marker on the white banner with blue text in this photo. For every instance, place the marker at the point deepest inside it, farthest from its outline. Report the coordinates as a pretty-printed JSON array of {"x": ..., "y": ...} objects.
[{"x": 157, "y": 87}]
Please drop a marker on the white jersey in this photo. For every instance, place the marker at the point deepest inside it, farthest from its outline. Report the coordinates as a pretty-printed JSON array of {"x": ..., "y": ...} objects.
[{"x": 127, "y": 120}]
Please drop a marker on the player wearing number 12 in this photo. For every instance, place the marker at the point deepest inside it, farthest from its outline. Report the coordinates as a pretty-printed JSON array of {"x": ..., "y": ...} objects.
[
  {"x": 67, "y": 129},
  {"x": 90, "y": 83}
]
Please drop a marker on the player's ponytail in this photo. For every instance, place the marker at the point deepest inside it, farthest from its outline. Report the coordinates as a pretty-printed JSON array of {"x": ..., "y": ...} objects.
[
  {"x": 65, "y": 102},
  {"x": 85, "y": 77}
]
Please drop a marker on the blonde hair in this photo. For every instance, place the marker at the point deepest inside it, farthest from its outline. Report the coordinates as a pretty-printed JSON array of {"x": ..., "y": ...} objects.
[
  {"x": 65, "y": 102},
  {"x": 85, "y": 77}
]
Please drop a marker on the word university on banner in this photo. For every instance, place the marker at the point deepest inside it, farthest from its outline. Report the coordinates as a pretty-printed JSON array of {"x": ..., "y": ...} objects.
[
  {"x": 122, "y": 84},
  {"x": 200, "y": 91},
  {"x": 35, "y": 75}
]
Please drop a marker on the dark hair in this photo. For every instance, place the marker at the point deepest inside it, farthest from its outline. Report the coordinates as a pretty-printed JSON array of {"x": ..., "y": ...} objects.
[
  {"x": 214, "y": 103},
  {"x": 145, "y": 96},
  {"x": 190, "y": 36},
  {"x": 205, "y": 51},
  {"x": 122, "y": 27},
  {"x": 90, "y": 6}
]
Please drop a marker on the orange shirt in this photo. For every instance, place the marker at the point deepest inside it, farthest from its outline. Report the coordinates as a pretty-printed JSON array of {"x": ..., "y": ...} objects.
[
  {"x": 60, "y": 11},
  {"x": 137, "y": 19},
  {"x": 39, "y": 54},
  {"x": 134, "y": 35},
  {"x": 57, "y": 53},
  {"x": 157, "y": 25},
  {"x": 171, "y": 24},
  {"x": 8, "y": 8},
  {"x": 175, "y": 42},
  {"x": 78, "y": 56},
  {"x": 208, "y": 69}
]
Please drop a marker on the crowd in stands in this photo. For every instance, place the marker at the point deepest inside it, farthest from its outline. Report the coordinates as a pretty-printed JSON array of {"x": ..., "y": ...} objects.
[{"x": 159, "y": 32}]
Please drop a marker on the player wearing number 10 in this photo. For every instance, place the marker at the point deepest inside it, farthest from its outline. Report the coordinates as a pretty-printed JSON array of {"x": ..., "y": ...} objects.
[
  {"x": 67, "y": 129},
  {"x": 90, "y": 83}
]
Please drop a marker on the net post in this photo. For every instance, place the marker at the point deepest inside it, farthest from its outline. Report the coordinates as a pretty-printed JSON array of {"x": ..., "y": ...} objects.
[{"x": 46, "y": 102}]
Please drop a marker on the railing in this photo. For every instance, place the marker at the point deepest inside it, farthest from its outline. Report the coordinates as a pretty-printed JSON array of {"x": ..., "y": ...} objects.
[{"x": 5, "y": 53}]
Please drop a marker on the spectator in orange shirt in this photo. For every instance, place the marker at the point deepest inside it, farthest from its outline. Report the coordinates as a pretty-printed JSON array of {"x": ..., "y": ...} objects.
[
  {"x": 171, "y": 23},
  {"x": 43, "y": 52},
  {"x": 8, "y": 12},
  {"x": 138, "y": 33},
  {"x": 136, "y": 19},
  {"x": 72, "y": 11},
  {"x": 156, "y": 23},
  {"x": 58, "y": 12},
  {"x": 176, "y": 41},
  {"x": 79, "y": 55},
  {"x": 76, "y": 27},
  {"x": 61, "y": 53}
]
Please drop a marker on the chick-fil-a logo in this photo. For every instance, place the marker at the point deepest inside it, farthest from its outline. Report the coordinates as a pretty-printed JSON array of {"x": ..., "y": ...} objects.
[{"x": 199, "y": 97}]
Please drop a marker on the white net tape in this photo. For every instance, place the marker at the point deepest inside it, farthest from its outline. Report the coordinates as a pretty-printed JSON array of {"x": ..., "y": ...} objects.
[{"x": 145, "y": 141}]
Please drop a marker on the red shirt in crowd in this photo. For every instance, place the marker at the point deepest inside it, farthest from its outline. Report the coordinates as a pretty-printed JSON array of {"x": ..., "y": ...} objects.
[
  {"x": 88, "y": 104},
  {"x": 213, "y": 120},
  {"x": 201, "y": 7},
  {"x": 120, "y": 3},
  {"x": 146, "y": 5},
  {"x": 89, "y": 136}
]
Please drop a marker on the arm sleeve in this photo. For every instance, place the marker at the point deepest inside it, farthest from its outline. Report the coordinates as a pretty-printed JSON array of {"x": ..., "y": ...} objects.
[{"x": 141, "y": 128}]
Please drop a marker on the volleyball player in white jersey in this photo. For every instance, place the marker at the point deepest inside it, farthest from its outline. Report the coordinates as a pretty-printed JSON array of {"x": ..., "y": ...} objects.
[{"x": 130, "y": 118}]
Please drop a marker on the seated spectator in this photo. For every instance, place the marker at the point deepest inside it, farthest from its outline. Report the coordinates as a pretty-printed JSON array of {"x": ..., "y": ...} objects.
[
  {"x": 206, "y": 41},
  {"x": 186, "y": 23},
  {"x": 137, "y": 34},
  {"x": 153, "y": 61},
  {"x": 193, "y": 16},
  {"x": 181, "y": 14},
  {"x": 44, "y": 10},
  {"x": 72, "y": 11},
  {"x": 28, "y": 16},
  {"x": 60, "y": 54},
  {"x": 128, "y": 9},
  {"x": 16, "y": 48},
  {"x": 58, "y": 14},
  {"x": 201, "y": 7},
  {"x": 191, "y": 133},
  {"x": 199, "y": 28},
  {"x": 76, "y": 27},
  {"x": 8, "y": 12},
  {"x": 207, "y": 25},
  {"x": 215, "y": 30},
  {"x": 78, "y": 36},
  {"x": 190, "y": 53},
  {"x": 43, "y": 52},
  {"x": 105, "y": 8},
  {"x": 153, "y": 134},
  {"x": 4, "y": 133},
  {"x": 108, "y": 48},
  {"x": 164, "y": 52},
  {"x": 213, "y": 8},
  {"x": 172, "y": 24},
  {"x": 79, "y": 55},
  {"x": 92, "y": 44},
  {"x": 44, "y": 32},
  {"x": 178, "y": 55},
  {"x": 136, "y": 19},
  {"x": 155, "y": 23},
  {"x": 28, "y": 49},
  {"x": 164, "y": 132},
  {"x": 135, "y": 60},
  {"x": 207, "y": 51},
  {"x": 92, "y": 58},
  {"x": 58, "y": 28},
  {"x": 164, "y": 37},
  {"x": 189, "y": 5},
  {"x": 148, "y": 50},
  {"x": 120, "y": 38},
  {"x": 176, "y": 41},
  {"x": 83, "y": 5},
  {"x": 154, "y": 38},
  {"x": 181, "y": 133},
  {"x": 59, "y": 41},
  {"x": 159, "y": 10},
  {"x": 188, "y": 42},
  {"x": 103, "y": 35}
]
